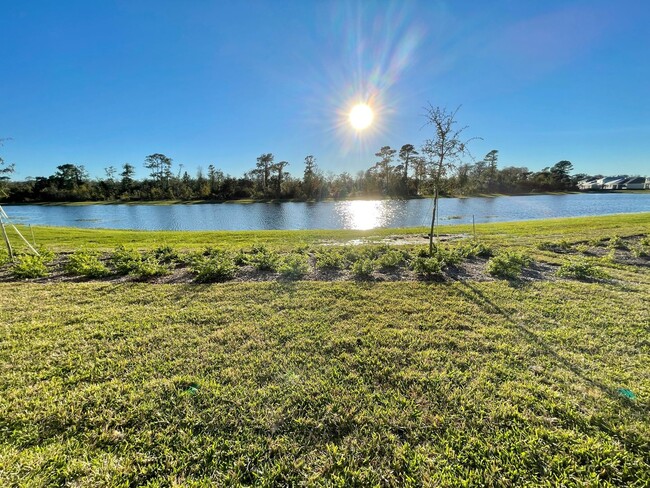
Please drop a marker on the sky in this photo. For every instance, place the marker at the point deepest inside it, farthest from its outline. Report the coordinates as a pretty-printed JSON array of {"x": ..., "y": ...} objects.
[{"x": 103, "y": 83}]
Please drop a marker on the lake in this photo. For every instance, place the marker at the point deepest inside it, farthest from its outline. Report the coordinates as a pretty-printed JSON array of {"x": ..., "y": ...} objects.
[{"x": 366, "y": 214}]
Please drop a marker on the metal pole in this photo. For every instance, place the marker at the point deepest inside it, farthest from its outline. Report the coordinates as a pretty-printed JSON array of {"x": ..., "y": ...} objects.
[
  {"x": 32, "y": 231},
  {"x": 473, "y": 226}
]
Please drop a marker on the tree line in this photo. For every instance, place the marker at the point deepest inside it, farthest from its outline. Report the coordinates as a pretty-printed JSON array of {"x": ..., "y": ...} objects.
[{"x": 406, "y": 172}]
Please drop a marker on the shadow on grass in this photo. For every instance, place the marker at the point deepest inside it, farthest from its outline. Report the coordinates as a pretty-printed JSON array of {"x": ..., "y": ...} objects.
[
  {"x": 634, "y": 443},
  {"x": 478, "y": 297}
]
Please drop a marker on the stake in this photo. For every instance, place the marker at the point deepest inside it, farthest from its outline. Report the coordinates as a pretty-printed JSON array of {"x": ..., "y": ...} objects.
[
  {"x": 4, "y": 234},
  {"x": 433, "y": 220},
  {"x": 473, "y": 226},
  {"x": 32, "y": 231}
]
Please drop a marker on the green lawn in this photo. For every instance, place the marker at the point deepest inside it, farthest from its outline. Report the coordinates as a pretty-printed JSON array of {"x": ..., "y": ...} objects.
[{"x": 497, "y": 383}]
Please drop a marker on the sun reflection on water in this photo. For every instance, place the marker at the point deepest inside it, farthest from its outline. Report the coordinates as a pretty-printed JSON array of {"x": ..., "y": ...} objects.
[{"x": 363, "y": 215}]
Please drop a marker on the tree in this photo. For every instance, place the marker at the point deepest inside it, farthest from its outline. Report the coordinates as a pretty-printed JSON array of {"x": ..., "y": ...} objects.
[
  {"x": 160, "y": 167},
  {"x": 128, "y": 170},
  {"x": 310, "y": 177},
  {"x": 560, "y": 173},
  {"x": 264, "y": 164},
  {"x": 5, "y": 171},
  {"x": 384, "y": 165},
  {"x": 491, "y": 160},
  {"x": 279, "y": 167},
  {"x": 406, "y": 152},
  {"x": 443, "y": 151}
]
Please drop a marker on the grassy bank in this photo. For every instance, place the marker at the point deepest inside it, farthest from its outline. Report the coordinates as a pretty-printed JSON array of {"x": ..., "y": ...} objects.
[
  {"x": 498, "y": 383},
  {"x": 67, "y": 238}
]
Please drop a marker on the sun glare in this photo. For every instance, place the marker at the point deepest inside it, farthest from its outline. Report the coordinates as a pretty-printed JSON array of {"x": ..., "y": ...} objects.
[{"x": 361, "y": 116}]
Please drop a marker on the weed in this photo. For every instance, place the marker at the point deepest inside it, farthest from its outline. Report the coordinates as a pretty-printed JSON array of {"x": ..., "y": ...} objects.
[{"x": 615, "y": 242}]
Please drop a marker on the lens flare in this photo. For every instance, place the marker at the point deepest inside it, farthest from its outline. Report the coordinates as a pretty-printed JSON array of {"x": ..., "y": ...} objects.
[{"x": 361, "y": 116}]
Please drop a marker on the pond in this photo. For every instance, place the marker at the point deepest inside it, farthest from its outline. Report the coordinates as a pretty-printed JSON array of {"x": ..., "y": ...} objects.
[{"x": 358, "y": 214}]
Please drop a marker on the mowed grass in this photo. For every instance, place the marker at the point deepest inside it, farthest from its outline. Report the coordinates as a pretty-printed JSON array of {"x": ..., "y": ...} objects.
[
  {"x": 322, "y": 383},
  {"x": 529, "y": 232}
]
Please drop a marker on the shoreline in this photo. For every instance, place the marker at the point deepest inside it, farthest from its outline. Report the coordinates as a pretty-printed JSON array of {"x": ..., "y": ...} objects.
[{"x": 293, "y": 200}]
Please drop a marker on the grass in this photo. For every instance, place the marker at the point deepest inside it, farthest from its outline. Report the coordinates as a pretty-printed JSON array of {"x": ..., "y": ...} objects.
[
  {"x": 529, "y": 232},
  {"x": 362, "y": 383}
]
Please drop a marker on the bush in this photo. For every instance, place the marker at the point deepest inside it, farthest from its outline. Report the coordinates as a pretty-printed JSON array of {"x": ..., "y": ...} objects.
[
  {"x": 4, "y": 257},
  {"x": 214, "y": 268},
  {"x": 474, "y": 249},
  {"x": 125, "y": 260},
  {"x": 559, "y": 246},
  {"x": 264, "y": 259},
  {"x": 363, "y": 268},
  {"x": 581, "y": 269},
  {"x": 29, "y": 266},
  {"x": 148, "y": 267},
  {"x": 294, "y": 266},
  {"x": 427, "y": 266},
  {"x": 86, "y": 263},
  {"x": 47, "y": 255},
  {"x": 130, "y": 261},
  {"x": 508, "y": 264},
  {"x": 330, "y": 259},
  {"x": 615, "y": 242},
  {"x": 165, "y": 254},
  {"x": 390, "y": 259}
]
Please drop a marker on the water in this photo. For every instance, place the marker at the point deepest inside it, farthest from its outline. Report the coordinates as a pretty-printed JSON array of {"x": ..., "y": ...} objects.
[{"x": 328, "y": 215}]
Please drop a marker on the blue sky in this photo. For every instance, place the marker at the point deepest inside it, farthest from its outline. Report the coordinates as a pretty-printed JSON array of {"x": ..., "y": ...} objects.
[{"x": 102, "y": 83}]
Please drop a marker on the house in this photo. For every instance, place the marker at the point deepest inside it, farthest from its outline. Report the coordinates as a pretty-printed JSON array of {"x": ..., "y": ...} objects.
[
  {"x": 635, "y": 183},
  {"x": 647, "y": 183},
  {"x": 616, "y": 184},
  {"x": 590, "y": 184},
  {"x": 603, "y": 183}
]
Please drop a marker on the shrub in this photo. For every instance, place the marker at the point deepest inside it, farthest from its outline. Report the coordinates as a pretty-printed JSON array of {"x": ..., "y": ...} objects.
[
  {"x": 4, "y": 257},
  {"x": 559, "y": 246},
  {"x": 474, "y": 249},
  {"x": 330, "y": 259},
  {"x": 130, "y": 261},
  {"x": 148, "y": 267},
  {"x": 294, "y": 266},
  {"x": 428, "y": 266},
  {"x": 86, "y": 263},
  {"x": 29, "y": 266},
  {"x": 390, "y": 259},
  {"x": 581, "y": 269},
  {"x": 507, "y": 264},
  {"x": 363, "y": 268},
  {"x": 47, "y": 255},
  {"x": 640, "y": 251},
  {"x": 264, "y": 259},
  {"x": 165, "y": 254},
  {"x": 448, "y": 256},
  {"x": 214, "y": 268},
  {"x": 125, "y": 260},
  {"x": 615, "y": 242}
]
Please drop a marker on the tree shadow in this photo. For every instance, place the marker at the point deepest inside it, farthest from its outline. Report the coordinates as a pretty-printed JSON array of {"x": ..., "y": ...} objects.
[{"x": 477, "y": 296}]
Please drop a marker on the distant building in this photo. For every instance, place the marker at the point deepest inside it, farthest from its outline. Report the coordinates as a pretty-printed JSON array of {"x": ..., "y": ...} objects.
[{"x": 635, "y": 183}]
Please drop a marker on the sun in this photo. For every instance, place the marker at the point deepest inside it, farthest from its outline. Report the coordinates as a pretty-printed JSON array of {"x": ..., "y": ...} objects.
[{"x": 361, "y": 116}]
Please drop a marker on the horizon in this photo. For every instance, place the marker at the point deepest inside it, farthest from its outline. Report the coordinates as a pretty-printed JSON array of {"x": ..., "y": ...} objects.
[{"x": 103, "y": 85}]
